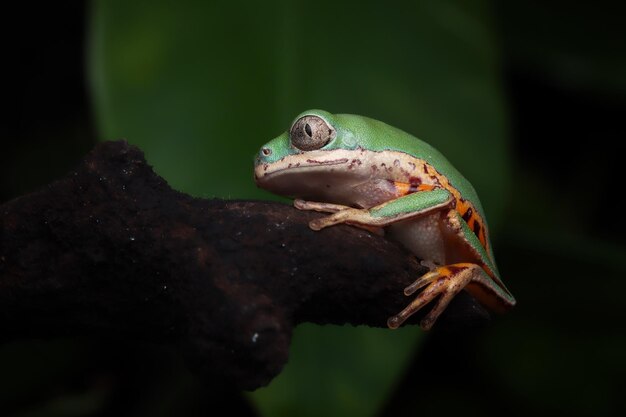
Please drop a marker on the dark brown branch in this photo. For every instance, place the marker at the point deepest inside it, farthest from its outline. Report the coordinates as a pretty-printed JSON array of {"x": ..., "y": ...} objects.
[{"x": 111, "y": 249}]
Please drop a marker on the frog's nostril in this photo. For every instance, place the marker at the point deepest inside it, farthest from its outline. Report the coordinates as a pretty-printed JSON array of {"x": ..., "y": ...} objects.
[{"x": 266, "y": 151}]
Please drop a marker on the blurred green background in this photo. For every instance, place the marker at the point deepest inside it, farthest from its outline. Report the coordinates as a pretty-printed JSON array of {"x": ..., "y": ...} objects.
[{"x": 527, "y": 99}]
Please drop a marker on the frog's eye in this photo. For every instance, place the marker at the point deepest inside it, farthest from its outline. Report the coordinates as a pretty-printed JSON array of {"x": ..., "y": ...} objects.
[{"x": 310, "y": 132}]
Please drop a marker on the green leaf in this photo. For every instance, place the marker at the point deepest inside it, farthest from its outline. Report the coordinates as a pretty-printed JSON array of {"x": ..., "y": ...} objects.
[{"x": 338, "y": 371}]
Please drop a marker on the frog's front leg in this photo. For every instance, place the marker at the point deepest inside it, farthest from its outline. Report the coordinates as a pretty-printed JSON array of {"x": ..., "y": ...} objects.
[
  {"x": 332, "y": 208},
  {"x": 402, "y": 208}
]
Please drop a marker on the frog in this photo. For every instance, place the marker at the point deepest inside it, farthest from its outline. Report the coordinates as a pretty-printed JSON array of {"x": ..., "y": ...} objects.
[{"x": 366, "y": 173}]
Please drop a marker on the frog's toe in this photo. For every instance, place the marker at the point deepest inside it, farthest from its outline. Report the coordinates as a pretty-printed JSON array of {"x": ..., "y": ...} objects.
[
  {"x": 343, "y": 216},
  {"x": 432, "y": 290},
  {"x": 421, "y": 282},
  {"x": 427, "y": 322},
  {"x": 316, "y": 224},
  {"x": 319, "y": 224},
  {"x": 318, "y": 206}
]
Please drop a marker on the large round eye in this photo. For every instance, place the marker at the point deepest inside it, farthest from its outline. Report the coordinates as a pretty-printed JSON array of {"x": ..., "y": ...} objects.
[{"x": 310, "y": 132}]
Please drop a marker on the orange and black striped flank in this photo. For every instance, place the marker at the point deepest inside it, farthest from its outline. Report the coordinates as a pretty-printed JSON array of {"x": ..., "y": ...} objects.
[{"x": 464, "y": 207}]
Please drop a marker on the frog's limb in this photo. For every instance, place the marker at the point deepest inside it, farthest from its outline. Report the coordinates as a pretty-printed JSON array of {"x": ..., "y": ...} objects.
[
  {"x": 444, "y": 282},
  {"x": 495, "y": 296},
  {"x": 332, "y": 208},
  {"x": 402, "y": 208},
  {"x": 479, "y": 278}
]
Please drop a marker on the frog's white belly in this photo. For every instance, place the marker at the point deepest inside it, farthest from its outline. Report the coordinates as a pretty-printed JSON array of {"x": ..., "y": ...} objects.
[{"x": 422, "y": 237}]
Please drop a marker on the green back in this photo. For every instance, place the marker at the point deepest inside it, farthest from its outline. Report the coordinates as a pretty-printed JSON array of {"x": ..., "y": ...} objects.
[{"x": 355, "y": 131}]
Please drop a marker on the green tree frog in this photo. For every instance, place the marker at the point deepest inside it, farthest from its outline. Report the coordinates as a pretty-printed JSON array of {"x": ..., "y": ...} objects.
[{"x": 372, "y": 175}]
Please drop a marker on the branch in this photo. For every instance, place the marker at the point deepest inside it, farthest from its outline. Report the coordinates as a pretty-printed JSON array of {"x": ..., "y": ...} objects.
[{"x": 112, "y": 249}]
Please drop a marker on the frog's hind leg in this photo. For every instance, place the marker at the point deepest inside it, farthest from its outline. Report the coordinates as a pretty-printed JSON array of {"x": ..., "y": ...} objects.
[
  {"x": 443, "y": 283},
  {"x": 478, "y": 275},
  {"x": 410, "y": 206}
]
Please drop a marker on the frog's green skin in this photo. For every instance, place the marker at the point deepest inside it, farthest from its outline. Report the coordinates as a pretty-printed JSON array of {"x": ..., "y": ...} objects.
[{"x": 373, "y": 175}]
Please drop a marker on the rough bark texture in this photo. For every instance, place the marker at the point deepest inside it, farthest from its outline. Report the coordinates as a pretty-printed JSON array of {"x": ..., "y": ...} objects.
[{"x": 111, "y": 249}]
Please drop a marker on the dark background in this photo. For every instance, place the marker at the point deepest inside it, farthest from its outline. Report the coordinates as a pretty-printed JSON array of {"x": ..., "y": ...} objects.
[{"x": 561, "y": 71}]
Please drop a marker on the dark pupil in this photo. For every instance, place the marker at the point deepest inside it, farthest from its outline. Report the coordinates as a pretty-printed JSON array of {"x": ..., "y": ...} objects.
[{"x": 307, "y": 129}]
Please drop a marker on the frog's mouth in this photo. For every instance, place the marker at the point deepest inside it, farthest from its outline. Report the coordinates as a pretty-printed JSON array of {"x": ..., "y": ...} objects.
[
  {"x": 294, "y": 163},
  {"x": 307, "y": 175}
]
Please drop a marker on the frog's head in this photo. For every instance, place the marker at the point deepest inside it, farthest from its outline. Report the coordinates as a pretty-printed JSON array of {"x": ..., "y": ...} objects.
[{"x": 322, "y": 153}]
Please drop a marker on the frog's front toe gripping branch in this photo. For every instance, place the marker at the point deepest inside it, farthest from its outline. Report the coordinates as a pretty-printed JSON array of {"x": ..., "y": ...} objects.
[{"x": 343, "y": 214}]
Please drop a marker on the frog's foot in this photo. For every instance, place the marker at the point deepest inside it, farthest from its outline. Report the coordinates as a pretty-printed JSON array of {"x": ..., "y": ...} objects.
[
  {"x": 444, "y": 282},
  {"x": 319, "y": 224}
]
